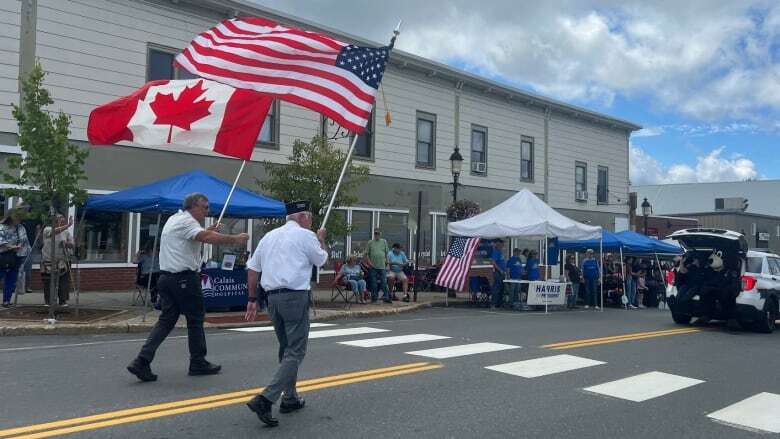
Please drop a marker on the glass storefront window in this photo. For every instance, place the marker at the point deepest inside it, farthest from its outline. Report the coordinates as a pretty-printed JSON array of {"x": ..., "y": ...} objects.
[
  {"x": 395, "y": 229},
  {"x": 441, "y": 238},
  {"x": 338, "y": 244},
  {"x": 147, "y": 231},
  {"x": 104, "y": 237},
  {"x": 361, "y": 231},
  {"x": 230, "y": 226},
  {"x": 425, "y": 232}
]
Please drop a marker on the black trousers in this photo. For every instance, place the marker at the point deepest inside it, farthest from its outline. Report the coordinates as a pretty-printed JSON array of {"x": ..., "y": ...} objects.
[{"x": 179, "y": 293}]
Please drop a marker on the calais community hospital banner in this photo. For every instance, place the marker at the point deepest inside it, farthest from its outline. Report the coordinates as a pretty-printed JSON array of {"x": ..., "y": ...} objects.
[{"x": 549, "y": 293}]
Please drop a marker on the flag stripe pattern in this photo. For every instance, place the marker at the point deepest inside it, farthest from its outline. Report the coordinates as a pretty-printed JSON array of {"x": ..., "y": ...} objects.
[
  {"x": 309, "y": 69},
  {"x": 455, "y": 270}
]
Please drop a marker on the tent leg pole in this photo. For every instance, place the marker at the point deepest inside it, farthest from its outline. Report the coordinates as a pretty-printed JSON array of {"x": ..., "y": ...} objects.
[
  {"x": 623, "y": 274},
  {"x": 148, "y": 303},
  {"x": 663, "y": 279},
  {"x": 601, "y": 272}
]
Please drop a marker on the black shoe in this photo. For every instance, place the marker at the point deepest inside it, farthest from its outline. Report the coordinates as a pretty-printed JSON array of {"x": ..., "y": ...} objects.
[
  {"x": 141, "y": 369},
  {"x": 6, "y": 305},
  {"x": 291, "y": 407},
  {"x": 205, "y": 368},
  {"x": 262, "y": 407}
]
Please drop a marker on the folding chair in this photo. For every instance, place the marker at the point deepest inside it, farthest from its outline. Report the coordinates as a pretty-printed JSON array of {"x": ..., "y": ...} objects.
[
  {"x": 139, "y": 295},
  {"x": 338, "y": 287}
]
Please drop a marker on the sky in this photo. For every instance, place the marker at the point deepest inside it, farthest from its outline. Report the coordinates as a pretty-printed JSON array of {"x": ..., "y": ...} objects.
[{"x": 701, "y": 76}]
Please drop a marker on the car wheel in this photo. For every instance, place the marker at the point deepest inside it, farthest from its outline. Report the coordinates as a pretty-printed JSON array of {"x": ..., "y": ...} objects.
[
  {"x": 767, "y": 323},
  {"x": 681, "y": 319}
]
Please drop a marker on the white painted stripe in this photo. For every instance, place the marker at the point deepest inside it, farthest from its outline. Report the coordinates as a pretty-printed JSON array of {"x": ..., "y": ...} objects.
[
  {"x": 389, "y": 341},
  {"x": 759, "y": 412},
  {"x": 345, "y": 331},
  {"x": 271, "y": 328},
  {"x": 461, "y": 350},
  {"x": 545, "y": 366},
  {"x": 645, "y": 386}
]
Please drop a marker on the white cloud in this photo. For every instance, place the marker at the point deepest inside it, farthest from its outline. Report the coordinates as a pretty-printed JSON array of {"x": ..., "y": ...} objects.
[
  {"x": 648, "y": 132},
  {"x": 712, "y": 60},
  {"x": 712, "y": 167}
]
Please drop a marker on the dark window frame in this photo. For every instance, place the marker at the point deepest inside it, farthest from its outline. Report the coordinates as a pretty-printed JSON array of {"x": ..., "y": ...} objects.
[
  {"x": 584, "y": 166},
  {"x": 371, "y": 132},
  {"x": 600, "y": 188},
  {"x": 176, "y": 72},
  {"x": 427, "y": 117},
  {"x": 274, "y": 143},
  {"x": 484, "y": 131},
  {"x": 527, "y": 140}
]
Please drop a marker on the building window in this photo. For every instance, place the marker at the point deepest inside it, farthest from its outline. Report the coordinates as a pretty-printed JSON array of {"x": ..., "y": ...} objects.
[
  {"x": 230, "y": 226},
  {"x": 104, "y": 236},
  {"x": 160, "y": 65},
  {"x": 364, "y": 148},
  {"x": 580, "y": 181},
  {"x": 360, "y": 231},
  {"x": 395, "y": 229},
  {"x": 337, "y": 244},
  {"x": 440, "y": 234},
  {"x": 478, "y": 150},
  {"x": 148, "y": 229},
  {"x": 602, "y": 191},
  {"x": 719, "y": 204},
  {"x": 426, "y": 140},
  {"x": 425, "y": 237},
  {"x": 527, "y": 159},
  {"x": 269, "y": 134}
]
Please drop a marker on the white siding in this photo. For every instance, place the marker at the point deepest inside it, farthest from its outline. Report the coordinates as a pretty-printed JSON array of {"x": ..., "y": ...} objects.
[
  {"x": 573, "y": 140},
  {"x": 10, "y": 23}
]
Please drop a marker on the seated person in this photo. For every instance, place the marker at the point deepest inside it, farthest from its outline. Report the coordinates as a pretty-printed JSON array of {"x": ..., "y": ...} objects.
[
  {"x": 397, "y": 260},
  {"x": 144, "y": 260},
  {"x": 352, "y": 274}
]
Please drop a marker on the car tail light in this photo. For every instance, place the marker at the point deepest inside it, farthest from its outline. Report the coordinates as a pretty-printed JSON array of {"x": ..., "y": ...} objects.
[{"x": 748, "y": 283}]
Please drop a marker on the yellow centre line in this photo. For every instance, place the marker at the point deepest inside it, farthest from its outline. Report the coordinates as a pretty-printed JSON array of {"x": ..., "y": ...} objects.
[
  {"x": 197, "y": 404},
  {"x": 618, "y": 338}
]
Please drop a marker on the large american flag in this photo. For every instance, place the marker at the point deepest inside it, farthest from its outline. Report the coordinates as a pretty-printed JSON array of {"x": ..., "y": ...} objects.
[
  {"x": 309, "y": 69},
  {"x": 456, "y": 265}
]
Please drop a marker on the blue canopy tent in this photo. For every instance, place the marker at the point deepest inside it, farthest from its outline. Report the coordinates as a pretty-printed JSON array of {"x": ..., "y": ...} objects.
[
  {"x": 655, "y": 245},
  {"x": 609, "y": 239},
  {"x": 166, "y": 196}
]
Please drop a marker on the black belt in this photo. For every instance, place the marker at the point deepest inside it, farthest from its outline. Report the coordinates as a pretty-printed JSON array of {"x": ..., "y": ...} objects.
[
  {"x": 284, "y": 290},
  {"x": 179, "y": 273}
]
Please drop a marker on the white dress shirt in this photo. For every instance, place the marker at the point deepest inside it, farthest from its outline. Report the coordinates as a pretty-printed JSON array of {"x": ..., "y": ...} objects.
[
  {"x": 285, "y": 256},
  {"x": 179, "y": 251}
]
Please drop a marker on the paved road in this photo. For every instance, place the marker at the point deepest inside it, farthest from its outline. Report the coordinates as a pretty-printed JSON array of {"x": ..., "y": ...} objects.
[{"x": 674, "y": 378}]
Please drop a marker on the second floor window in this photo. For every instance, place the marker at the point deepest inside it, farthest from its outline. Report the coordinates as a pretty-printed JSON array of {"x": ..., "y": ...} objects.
[
  {"x": 527, "y": 159},
  {"x": 160, "y": 65},
  {"x": 426, "y": 140},
  {"x": 364, "y": 148},
  {"x": 602, "y": 192},
  {"x": 580, "y": 181},
  {"x": 269, "y": 134},
  {"x": 479, "y": 150}
]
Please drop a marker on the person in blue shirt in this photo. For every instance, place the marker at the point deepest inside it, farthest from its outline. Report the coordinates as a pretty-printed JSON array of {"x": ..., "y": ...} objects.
[
  {"x": 515, "y": 267},
  {"x": 499, "y": 273},
  {"x": 532, "y": 265},
  {"x": 398, "y": 260},
  {"x": 591, "y": 272}
]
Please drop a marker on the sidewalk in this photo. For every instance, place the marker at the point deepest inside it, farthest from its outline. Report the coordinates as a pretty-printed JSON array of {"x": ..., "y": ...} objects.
[{"x": 113, "y": 312}]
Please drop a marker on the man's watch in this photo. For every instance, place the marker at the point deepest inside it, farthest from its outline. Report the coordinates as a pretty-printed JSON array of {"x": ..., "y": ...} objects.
[{"x": 251, "y": 299}]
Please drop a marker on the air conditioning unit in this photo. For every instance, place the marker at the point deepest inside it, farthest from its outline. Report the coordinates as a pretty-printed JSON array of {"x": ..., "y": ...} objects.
[
  {"x": 480, "y": 167},
  {"x": 582, "y": 195}
]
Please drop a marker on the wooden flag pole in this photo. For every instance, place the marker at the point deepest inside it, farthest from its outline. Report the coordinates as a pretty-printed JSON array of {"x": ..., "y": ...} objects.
[{"x": 230, "y": 194}]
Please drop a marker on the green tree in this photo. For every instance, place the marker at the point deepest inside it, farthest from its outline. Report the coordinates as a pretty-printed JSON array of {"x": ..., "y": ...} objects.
[
  {"x": 311, "y": 174},
  {"x": 47, "y": 175}
]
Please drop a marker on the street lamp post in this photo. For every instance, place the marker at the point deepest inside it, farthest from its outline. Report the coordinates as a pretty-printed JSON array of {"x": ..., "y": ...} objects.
[
  {"x": 456, "y": 162},
  {"x": 647, "y": 209}
]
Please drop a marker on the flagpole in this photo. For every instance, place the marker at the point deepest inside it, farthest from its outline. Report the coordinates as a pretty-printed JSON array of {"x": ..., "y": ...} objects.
[
  {"x": 396, "y": 31},
  {"x": 230, "y": 194}
]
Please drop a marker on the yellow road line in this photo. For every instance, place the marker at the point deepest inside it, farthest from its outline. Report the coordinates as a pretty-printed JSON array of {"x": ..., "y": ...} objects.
[
  {"x": 203, "y": 403},
  {"x": 618, "y": 338}
]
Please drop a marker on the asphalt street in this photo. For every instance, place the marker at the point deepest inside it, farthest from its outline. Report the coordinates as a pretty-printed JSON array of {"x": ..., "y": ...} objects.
[{"x": 677, "y": 380}]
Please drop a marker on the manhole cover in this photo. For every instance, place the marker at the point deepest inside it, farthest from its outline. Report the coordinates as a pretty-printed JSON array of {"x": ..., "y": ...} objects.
[{"x": 64, "y": 315}]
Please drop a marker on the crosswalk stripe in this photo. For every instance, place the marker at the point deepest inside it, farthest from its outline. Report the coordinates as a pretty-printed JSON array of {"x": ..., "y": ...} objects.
[
  {"x": 759, "y": 412},
  {"x": 461, "y": 350},
  {"x": 271, "y": 328},
  {"x": 643, "y": 387},
  {"x": 389, "y": 341},
  {"x": 538, "y": 367},
  {"x": 345, "y": 331}
]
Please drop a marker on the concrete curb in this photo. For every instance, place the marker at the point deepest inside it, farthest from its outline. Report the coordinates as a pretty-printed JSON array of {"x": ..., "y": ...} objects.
[{"x": 125, "y": 327}]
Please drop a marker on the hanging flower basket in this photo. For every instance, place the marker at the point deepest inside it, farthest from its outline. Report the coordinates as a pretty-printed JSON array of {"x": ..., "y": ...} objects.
[{"x": 461, "y": 210}]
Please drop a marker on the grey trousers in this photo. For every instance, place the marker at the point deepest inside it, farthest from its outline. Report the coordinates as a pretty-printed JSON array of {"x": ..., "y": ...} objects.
[{"x": 290, "y": 316}]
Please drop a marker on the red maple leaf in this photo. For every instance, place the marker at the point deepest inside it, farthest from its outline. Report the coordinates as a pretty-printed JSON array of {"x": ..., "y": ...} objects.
[{"x": 180, "y": 112}]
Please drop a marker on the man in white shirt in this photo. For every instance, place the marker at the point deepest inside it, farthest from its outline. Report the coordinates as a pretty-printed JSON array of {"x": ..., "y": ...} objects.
[
  {"x": 285, "y": 256},
  {"x": 179, "y": 285}
]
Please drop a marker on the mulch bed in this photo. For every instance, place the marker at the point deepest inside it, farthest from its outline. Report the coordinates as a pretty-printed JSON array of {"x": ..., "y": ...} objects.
[{"x": 38, "y": 313}]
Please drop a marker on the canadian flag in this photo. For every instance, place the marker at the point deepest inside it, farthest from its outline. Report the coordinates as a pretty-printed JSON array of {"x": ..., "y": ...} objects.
[{"x": 194, "y": 113}]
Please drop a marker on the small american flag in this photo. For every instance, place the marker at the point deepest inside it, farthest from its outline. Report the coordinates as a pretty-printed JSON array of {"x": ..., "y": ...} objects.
[
  {"x": 456, "y": 265},
  {"x": 312, "y": 70}
]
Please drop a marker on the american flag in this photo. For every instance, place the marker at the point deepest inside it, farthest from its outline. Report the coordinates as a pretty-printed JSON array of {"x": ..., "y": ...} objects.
[
  {"x": 309, "y": 69},
  {"x": 456, "y": 265}
]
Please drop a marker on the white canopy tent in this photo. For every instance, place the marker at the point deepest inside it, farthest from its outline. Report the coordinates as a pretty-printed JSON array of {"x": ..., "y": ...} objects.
[{"x": 525, "y": 215}]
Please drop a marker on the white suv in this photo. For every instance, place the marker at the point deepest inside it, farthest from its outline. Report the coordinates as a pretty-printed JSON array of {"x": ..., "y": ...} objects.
[{"x": 757, "y": 303}]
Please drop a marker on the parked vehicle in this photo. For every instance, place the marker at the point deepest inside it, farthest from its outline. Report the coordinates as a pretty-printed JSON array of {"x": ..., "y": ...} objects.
[{"x": 757, "y": 303}]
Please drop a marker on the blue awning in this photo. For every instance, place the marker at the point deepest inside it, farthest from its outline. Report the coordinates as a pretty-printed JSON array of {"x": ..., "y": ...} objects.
[
  {"x": 166, "y": 196},
  {"x": 655, "y": 245}
]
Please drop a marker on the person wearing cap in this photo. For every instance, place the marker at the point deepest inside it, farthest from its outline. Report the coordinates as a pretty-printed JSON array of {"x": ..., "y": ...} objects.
[
  {"x": 376, "y": 259},
  {"x": 590, "y": 272},
  {"x": 285, "y": 256},
  {"x": 179, "y": 286}
]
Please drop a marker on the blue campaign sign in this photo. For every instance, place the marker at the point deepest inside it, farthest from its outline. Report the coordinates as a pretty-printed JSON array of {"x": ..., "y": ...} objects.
[{"x": 223, "y": 288}]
